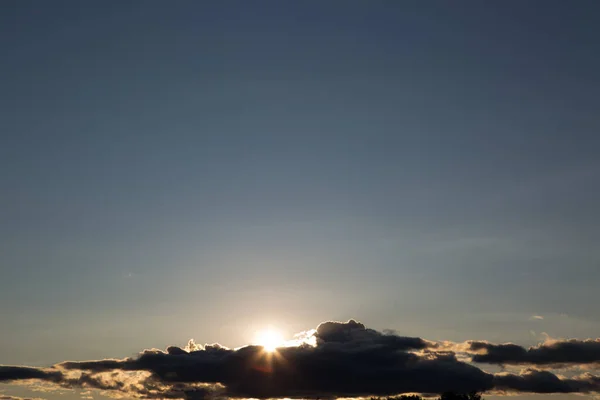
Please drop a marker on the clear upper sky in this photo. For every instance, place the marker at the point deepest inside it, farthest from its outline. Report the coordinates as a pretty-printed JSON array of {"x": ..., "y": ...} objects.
[{"x": 202, "y": 169}]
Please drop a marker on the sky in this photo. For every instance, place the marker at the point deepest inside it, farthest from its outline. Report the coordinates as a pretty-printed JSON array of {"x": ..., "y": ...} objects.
[{"x": 208, "y": 170}]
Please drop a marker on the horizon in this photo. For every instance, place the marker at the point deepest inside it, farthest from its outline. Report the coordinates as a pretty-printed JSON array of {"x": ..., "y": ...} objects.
[{"x": 416, "y": 179}]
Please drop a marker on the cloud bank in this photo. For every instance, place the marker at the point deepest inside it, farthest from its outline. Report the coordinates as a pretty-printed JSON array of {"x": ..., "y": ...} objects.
[
  {"x": 555, "y": 353},
  {"x": 5, "y": 397},
  {"x": 348, "y": 360}
]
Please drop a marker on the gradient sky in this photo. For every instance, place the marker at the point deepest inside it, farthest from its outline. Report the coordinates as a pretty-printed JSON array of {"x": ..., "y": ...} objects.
[{"x": 186, "y": 169}]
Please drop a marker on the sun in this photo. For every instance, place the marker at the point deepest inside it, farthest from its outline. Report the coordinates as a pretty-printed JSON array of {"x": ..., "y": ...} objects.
[{"x": 270, "y": 340}]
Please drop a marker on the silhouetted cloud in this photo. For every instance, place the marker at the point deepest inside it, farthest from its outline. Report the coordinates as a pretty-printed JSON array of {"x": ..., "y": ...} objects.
[
  {"x": 9, "y": 373},
  {"x": 556, "y": 352},
  {"x": 535, "y": 381},
  {"x": 348, "y": 360},
  {"x": 134, "y": 384},
  {"x": 355, "y": 332}
]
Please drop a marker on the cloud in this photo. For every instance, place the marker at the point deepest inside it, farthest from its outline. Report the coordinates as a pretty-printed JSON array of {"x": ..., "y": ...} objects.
[
  {"x": 139, "y": 384},
  {"x": 8, "y": 373},
  {"x": 537, "y": 317},
  {"x": 355, "y": 332},
  {"x": 5, "y": 397},
  {"x": 536, "y": 381},
  {"x": 346, "y": 360},
  {"x": 550, "y": 353}
]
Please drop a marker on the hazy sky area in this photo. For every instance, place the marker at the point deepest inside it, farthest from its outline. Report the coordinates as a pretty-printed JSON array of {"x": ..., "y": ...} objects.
[{"x": 206, "y": 169}]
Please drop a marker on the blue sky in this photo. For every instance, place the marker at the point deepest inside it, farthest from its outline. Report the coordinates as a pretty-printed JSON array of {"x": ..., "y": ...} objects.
[{"x": 202, "y": 169}]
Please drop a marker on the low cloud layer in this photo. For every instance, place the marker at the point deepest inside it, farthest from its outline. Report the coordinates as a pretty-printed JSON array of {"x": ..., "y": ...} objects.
[
  {"x": 535, "y": 381},
  {"x": 556, "y": 353},
  {"x": 5, "y": 397},
  {"x": 8, "y": 373},
  {"x": 348, "y": 360}
]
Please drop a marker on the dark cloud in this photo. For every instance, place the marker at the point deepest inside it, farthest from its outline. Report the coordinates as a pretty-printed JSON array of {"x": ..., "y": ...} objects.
[
  {"x": 349, "y": 360},
  {"x": 330, "y": 369},
  {"x": 10, "y": 373},
  {"x": 558, "y": 352},
  {"x": 147, "y": 387},
  {"x": 535, "y": 381},
  {"x": 134, "y": 385},
  {"x": 355, "y": 332},
  {"x": 97, "y": 366}
]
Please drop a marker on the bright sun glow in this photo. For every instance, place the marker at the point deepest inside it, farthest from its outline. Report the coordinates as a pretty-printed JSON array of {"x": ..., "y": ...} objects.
[{"x": 270, "y": 340}]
